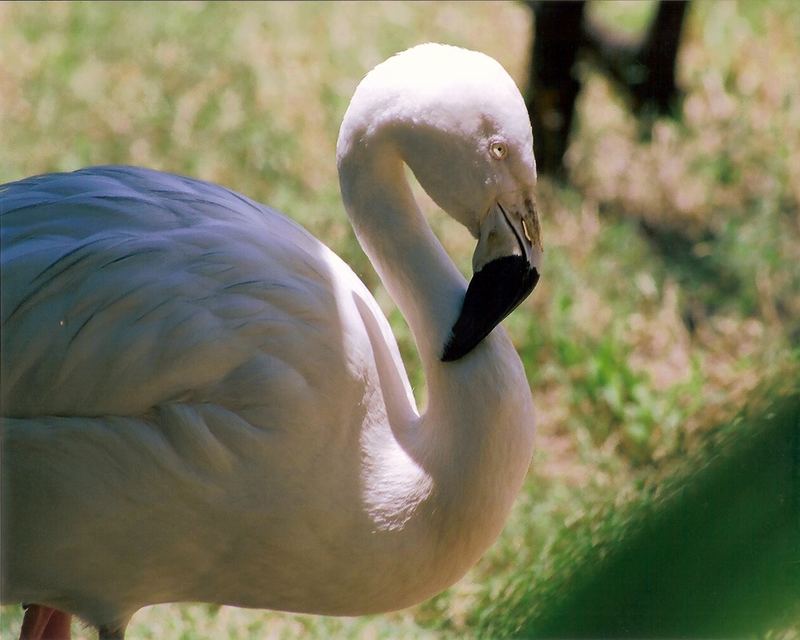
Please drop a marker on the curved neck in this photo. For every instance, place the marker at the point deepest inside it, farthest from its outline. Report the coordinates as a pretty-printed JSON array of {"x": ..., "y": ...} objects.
[
  {"x": 475, "y": 439},
  {"x": 429, "y": 290},
  {"x": 408, "y": 257}
]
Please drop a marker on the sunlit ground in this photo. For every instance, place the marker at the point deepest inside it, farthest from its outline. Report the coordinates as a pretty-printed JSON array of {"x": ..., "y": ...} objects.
[{"x": 636, "y": 346}]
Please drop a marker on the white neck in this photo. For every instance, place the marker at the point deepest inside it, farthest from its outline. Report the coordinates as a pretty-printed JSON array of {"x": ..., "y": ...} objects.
[
  {"x": 475, "y": 439},
  {"x": 416, "y": 271}
]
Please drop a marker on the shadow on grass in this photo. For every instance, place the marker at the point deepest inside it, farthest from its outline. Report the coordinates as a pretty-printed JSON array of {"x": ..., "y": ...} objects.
[
  {"x": 707, "y": 282},
  {"x": 713, "y": 551}
]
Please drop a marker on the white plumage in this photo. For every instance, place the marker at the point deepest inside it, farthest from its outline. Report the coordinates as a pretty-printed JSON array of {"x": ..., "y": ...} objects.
[{"x": 203, "y": 403}]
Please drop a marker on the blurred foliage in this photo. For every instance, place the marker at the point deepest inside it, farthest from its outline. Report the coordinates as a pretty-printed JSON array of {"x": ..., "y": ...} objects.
[
  {"x": 710, "y": 551},
  {"x": 671, "y": 283}
]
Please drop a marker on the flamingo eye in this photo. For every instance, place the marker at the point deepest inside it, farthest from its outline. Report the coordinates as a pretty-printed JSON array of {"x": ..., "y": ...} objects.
[{"x": 498, "y": 149}]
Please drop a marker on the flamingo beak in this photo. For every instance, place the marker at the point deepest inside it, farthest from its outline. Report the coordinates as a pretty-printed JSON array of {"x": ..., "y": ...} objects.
[{"x": 506, "y": 270}]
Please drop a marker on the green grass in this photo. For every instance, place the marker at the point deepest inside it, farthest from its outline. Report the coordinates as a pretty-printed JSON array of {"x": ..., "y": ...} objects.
[{"x": 636, "y": 346}]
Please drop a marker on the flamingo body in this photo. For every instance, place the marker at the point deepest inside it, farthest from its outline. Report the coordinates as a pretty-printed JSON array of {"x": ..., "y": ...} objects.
[
  {"x": 203, "y": 403},
  {"x": 194, "y": 335}
]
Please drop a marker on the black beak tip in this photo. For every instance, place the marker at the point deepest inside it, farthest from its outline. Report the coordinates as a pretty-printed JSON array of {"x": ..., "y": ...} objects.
[
  {"x": 454, "y": 350},
  {"x": 493, "y": 293}
]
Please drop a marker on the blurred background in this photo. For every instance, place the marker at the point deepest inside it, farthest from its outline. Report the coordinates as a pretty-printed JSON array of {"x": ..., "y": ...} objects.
[{"x": 669, "y": 302}]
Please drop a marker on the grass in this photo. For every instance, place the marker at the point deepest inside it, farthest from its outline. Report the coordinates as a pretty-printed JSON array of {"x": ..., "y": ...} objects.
[{"x": 671, "y": 285}]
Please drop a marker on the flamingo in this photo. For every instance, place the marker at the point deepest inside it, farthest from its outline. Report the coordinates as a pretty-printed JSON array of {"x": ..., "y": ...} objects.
[{"x": 202, "y": 402}]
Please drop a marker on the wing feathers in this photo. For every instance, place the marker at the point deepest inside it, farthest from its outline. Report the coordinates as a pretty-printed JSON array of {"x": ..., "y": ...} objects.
[{"x": 124, "y": 289}]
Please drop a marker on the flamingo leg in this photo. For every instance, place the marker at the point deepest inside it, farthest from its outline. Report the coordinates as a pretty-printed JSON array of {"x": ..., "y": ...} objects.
[{"x": 45, "y": 623}]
